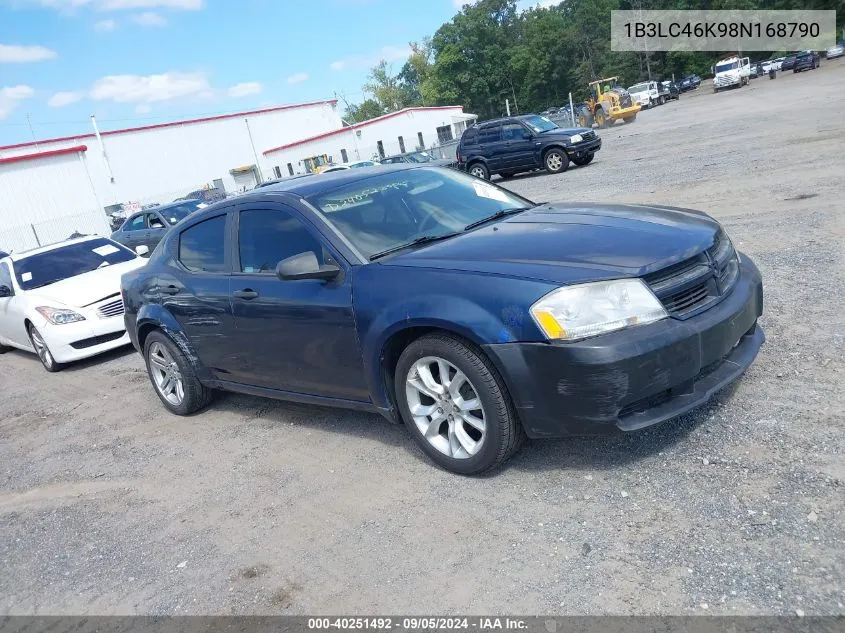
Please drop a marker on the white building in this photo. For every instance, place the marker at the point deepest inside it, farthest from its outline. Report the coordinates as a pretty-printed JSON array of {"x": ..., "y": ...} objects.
[
  {"x": 395, "y": 133},
  {"x": 52, "y": 188}
]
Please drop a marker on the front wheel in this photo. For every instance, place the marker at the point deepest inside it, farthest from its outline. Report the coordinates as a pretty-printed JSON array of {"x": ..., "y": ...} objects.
[
  {"x": 584, "y": 160},
  {"x": 173, "y": 377},
  {"x": 556, "y": 161},
  {"x": 479, "y": 170},
  {"x": 43, "y": 350},
  {"x": 601, "y": 119},
  {"x": 455, "y": 405}
]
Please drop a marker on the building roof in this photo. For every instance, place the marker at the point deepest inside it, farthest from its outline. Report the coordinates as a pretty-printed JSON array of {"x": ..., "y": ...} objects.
[
  {"x": 169, "y": 124},
  {"x": 357, "y": 126},
  {"x": 37, "y": 155}
]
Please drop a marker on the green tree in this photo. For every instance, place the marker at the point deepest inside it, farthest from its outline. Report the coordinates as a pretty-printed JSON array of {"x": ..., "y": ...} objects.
[{"x": 368, "y": 109}]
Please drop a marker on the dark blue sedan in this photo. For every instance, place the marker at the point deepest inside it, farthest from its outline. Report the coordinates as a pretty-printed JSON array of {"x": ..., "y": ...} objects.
[{"x": 440, "y": 300}]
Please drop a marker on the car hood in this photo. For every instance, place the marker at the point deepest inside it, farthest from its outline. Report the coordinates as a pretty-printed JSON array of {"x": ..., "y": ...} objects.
[
  {"x": 569, "y": 243},
  {"x": 85, "y": 289},
  {"x": 564, "y": 132}
]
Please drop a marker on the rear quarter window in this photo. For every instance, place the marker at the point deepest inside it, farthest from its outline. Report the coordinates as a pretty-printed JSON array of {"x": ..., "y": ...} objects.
[{"x": 470, "y": 137}]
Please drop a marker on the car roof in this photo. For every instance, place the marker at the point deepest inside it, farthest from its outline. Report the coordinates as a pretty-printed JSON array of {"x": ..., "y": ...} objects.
[{"x": 51, "y": 247}]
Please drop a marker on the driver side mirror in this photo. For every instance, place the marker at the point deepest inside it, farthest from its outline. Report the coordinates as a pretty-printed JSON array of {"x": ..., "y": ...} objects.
[
  {"x": 143, "y": 250},
  {"x": 305, "y": 266},
  {"x": 527, "y": 135},
  {"x": 5, "y": 291}
]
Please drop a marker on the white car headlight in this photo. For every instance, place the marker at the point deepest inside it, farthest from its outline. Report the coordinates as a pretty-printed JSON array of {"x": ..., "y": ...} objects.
[
  {"x": 582, "y": 310},
  {"x": 576, "y": 138},
  {"x": 59, "y": 316}
]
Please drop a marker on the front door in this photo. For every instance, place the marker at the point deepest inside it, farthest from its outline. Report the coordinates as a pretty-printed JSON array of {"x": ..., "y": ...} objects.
[
  {"x": 12, "y": 318},
  {"x": 296, "y": 336},
  {"x": 519, "y": 145},
  {"x": 156, "y": 228},
  {"x": 195, "y": 290},
  {"x": 134, "y": 230}
]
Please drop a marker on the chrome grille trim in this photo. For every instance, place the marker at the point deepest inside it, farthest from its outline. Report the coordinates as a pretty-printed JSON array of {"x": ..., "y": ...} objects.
[{"x": 111, "y": 309}]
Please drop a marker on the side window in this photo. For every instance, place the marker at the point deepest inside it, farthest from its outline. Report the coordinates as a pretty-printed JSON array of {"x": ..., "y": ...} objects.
[
  {"x": 135, "y": 224},
  {"x": 470, "y": 137},
  {"x": 202, "y": 246},
  {"x": 5, "y": 276},
  {"x": 266, "y": 237},
  {"x": 490, "y": 134},
  {"x": 512, "y": 132},
  {"x": 154, "y": 222}
]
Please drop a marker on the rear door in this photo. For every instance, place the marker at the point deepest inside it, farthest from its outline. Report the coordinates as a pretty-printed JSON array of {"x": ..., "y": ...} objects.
[
  {"x": 194, "y": 288},
  {"x": 296, "y": 336},
  {"x": 491, "y": 147}
]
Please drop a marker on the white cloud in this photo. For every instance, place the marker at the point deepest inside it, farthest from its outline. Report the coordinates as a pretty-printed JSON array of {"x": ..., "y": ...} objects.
[
  {"x": 143, "y": 108},
  {"x": 245, "y": 89},
  {"x": 149, "y": 88},
  {"x": 149, "y": 18},
  {"x": 61, "y": 99},
  {"x": 105, "y": 25},
  {"x": 14, "y": 54},
  {"x": 10, "y": 98},
  {"x": 298, "y": 78},
  {"x": 388, "y": 53}
]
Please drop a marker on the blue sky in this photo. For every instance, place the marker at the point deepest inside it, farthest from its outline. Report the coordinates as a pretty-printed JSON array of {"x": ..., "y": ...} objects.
[{"x": 137, "y": 62}]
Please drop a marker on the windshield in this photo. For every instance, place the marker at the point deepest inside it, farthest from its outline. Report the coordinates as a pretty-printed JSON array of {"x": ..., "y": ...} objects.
[
  {"x": 177, "y": 213},
  {"x": 69, "y": 261},
  {"x": 638, "y": 88},
  {"x": 381, "y": 212},
  {"x": 725, "y": 67},
  {"x": 539, "y": 123}
]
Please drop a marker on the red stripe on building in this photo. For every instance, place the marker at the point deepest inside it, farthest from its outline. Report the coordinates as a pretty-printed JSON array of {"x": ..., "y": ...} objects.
[
  {"x": 54, "y": 152},
  {"x": 357, "y": 126},
  {"x": 171, "y": 124}
]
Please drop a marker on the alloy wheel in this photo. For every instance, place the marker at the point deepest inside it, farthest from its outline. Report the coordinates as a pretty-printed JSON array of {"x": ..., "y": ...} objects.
[
  {"x": 445, "y": 407},
  {"x": 553, "y": 161},
  {"x": 41, "y": 348},
  {"x": 166, "y": 375},
  {"x": 477, "y": 171}
]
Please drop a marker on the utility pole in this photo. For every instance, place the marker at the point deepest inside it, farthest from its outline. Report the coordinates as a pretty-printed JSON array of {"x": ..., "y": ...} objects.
[
  {"x": 508, "y": 107},
  {"x": 254, "y": 153}
]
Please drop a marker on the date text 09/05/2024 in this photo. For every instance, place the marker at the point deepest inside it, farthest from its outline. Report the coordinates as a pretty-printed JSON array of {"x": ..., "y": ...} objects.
[
  {"x": 417, "y": 623},
  {"x": 721, "y": 29}
]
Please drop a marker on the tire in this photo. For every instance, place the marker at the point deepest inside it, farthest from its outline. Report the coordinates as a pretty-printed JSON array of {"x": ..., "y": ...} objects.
[
  {"x": 456, "y": 445},
  {"x": 164, "y": 359},
  {"x": 43, "y": 350},
  {"x": 661, "y": 101},
  {"x": 479, "y": 170},
  {"x": 630, "y": 119},
  {"x": 601, "y": 118},
  {"x": 584, "y": 160},
  {"x": 555, "y": 161},
  {"x": 4, "y": 348}
]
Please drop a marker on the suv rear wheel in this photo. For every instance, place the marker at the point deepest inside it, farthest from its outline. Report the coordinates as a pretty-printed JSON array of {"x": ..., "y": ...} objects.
[
  {"x": 555, "y": 161},
  {"x": 479, "y": 170}
]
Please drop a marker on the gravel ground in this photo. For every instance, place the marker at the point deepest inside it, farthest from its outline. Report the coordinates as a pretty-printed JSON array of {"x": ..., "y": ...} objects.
[{"x": 110, "y": 505}]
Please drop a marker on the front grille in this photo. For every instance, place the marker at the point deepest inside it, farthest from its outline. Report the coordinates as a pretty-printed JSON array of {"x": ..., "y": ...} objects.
[
  {"x": 97, "y": 340},
  {"x": 111, "y": 309},
  {"x": 693, "y": 284},
  {"x": 588, "y": 136}
]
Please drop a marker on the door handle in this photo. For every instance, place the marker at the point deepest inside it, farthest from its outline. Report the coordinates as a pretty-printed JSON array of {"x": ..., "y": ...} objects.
[
  {"x": 245, "y": 294},
  {"x": 170, "y": 290}
]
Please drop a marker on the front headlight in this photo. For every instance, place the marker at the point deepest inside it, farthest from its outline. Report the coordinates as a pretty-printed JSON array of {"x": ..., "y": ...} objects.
[
  {"x": 59, "y": 316},
  {"x": 576, "y": 138},
  {"x": 579, "y": 311}
]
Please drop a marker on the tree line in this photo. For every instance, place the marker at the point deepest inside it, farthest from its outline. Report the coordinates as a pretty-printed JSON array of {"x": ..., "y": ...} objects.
[{"x": 491, "y": 51}]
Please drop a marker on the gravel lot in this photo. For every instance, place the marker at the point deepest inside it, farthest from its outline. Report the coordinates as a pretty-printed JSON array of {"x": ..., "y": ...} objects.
[{"x": 110, "y": 505}]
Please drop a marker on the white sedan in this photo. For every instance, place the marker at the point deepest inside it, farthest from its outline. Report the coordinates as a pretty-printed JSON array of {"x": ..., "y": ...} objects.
[{"x": 63, "y": 301}]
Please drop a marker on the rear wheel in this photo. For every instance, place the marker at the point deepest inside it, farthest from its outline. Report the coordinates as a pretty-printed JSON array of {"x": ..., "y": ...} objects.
[
  {"x": 584, "y": 160},
  {"x": 661, "y": 100},
  {"x": 479, "y": 170},
  {"x": 43, "y": 350},
  {"x": 173, "y": 376},
  {"x": 555, "y": 161},
  {"x": 456, "y": 405}
]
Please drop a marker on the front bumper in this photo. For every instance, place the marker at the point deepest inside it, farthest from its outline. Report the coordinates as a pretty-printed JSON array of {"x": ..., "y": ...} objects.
[
  {"x": 578, "y": 150},
  {"x": 726, "y": 82},
  {"x": 83, "y": 339},
  {"x": 637, "y": 377}
]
